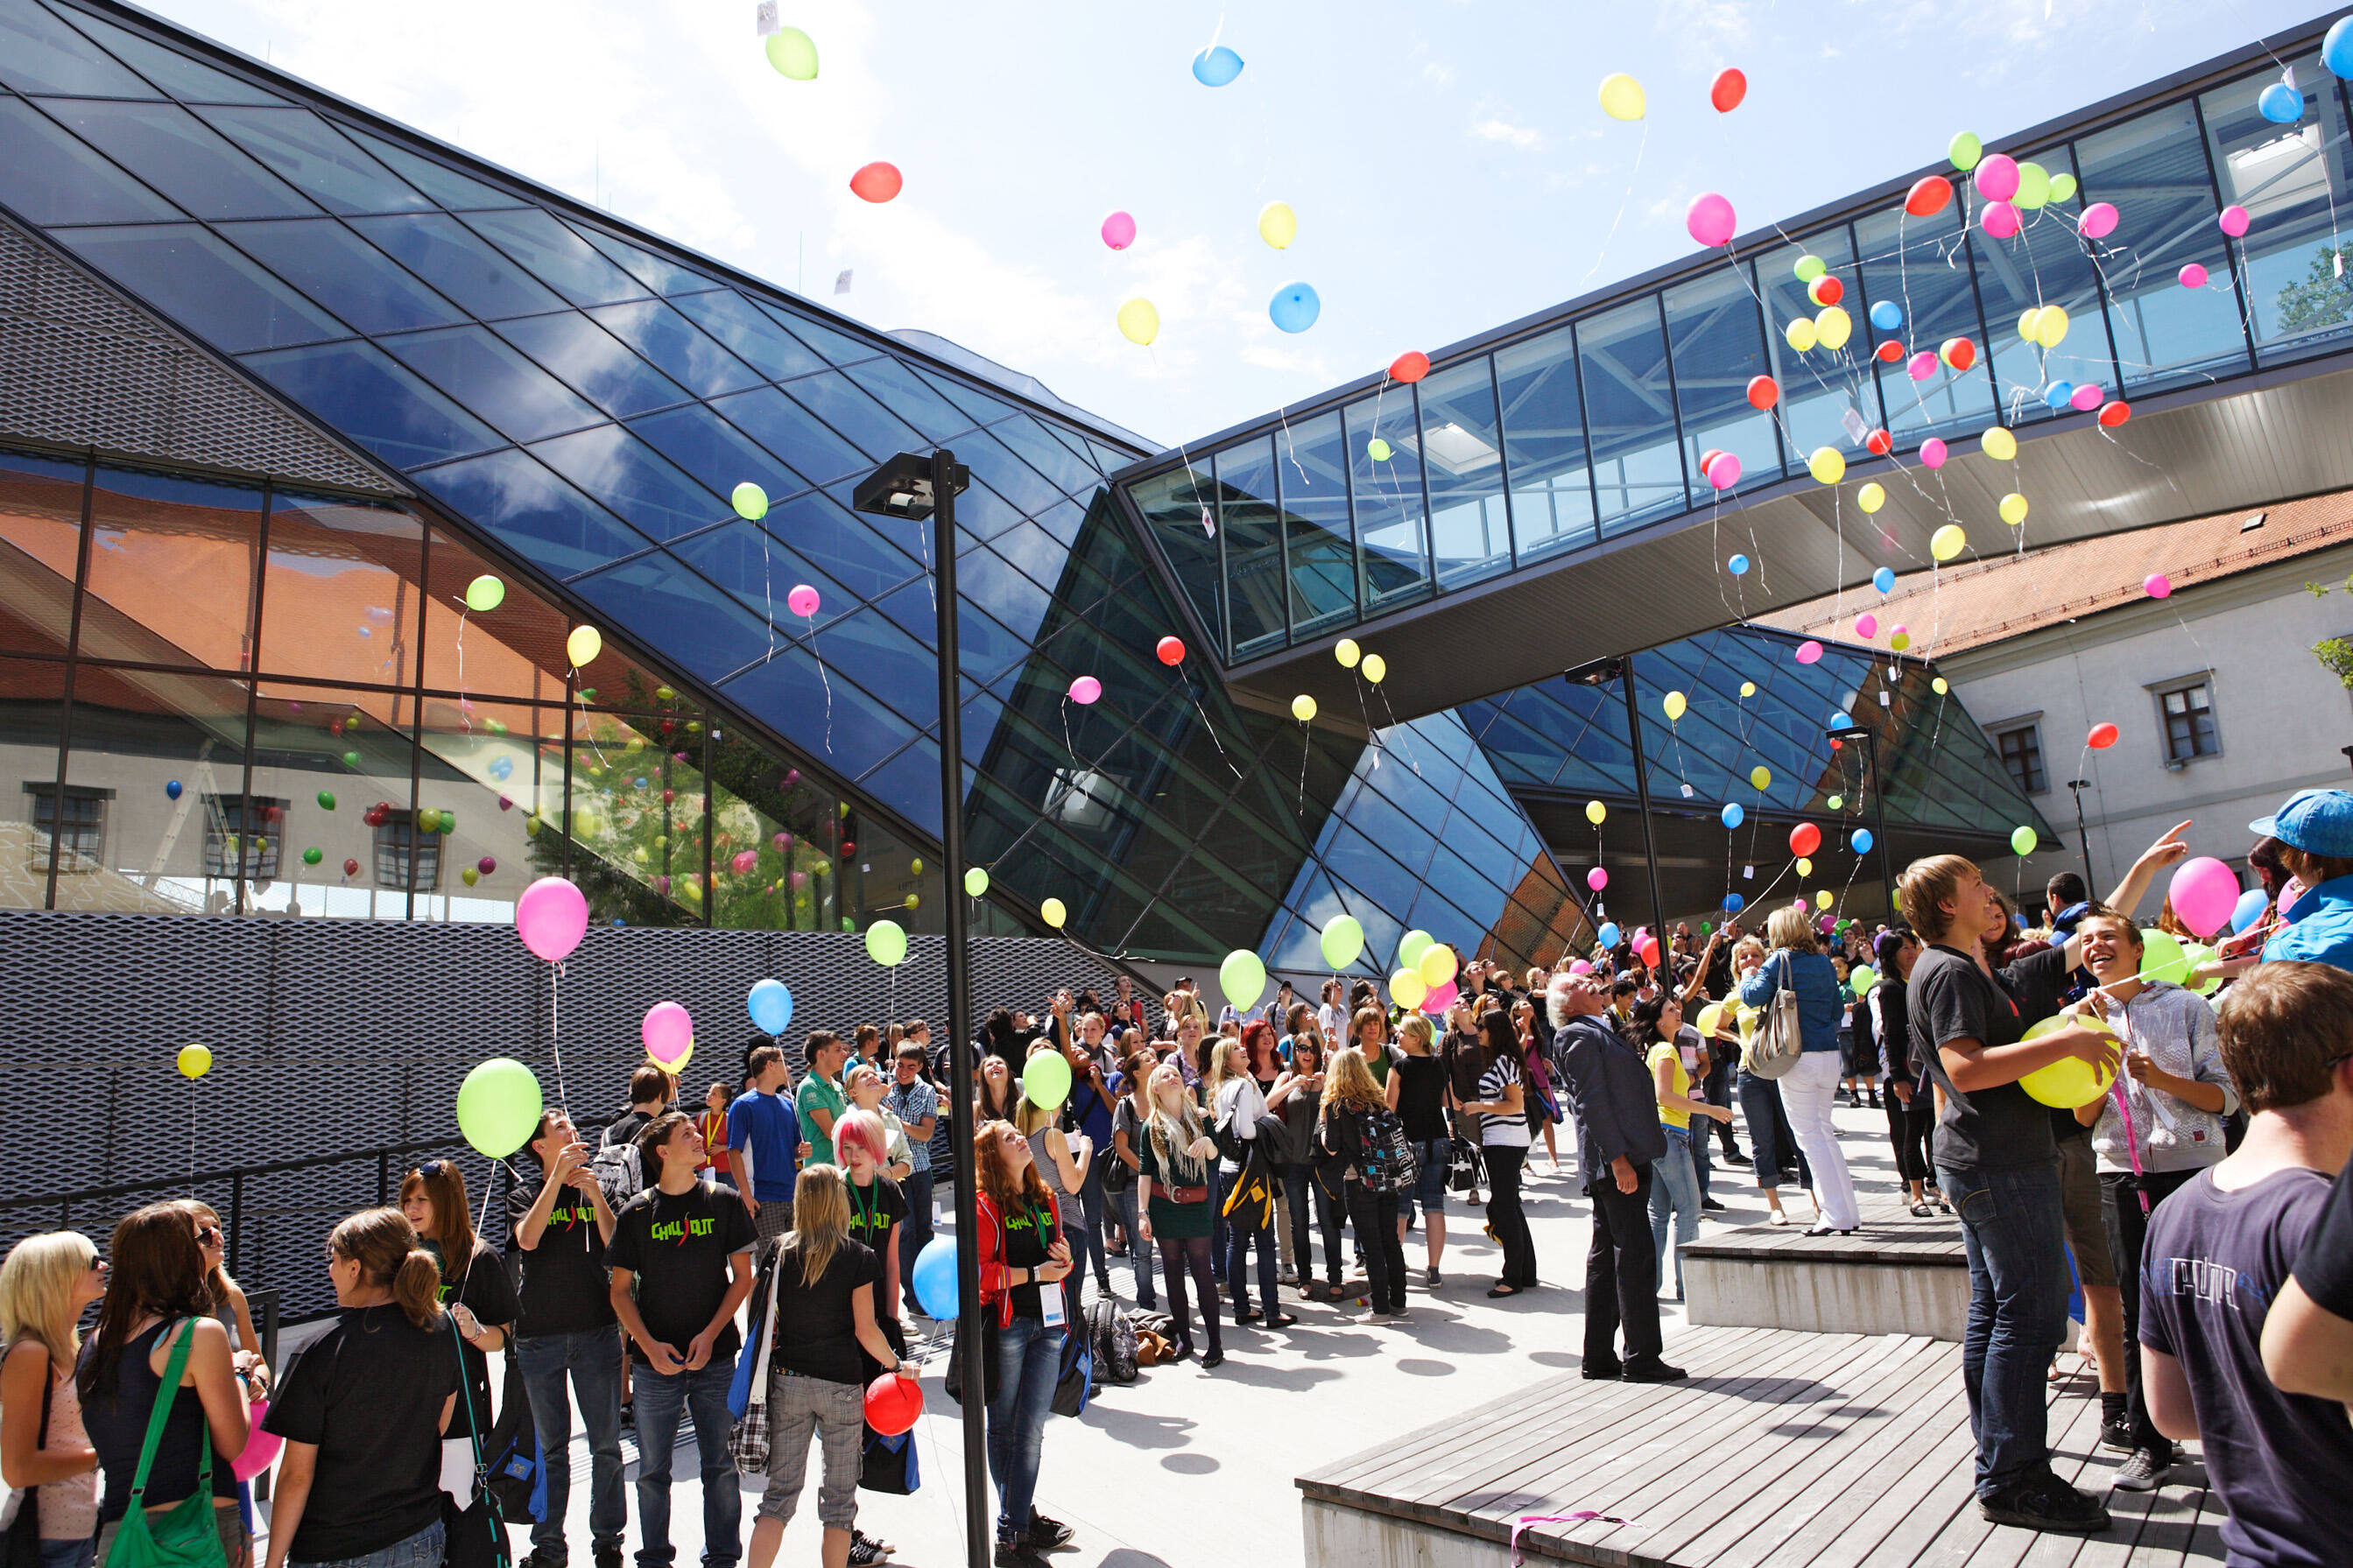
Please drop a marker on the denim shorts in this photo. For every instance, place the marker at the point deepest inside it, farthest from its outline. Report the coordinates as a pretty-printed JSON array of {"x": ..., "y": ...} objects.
[{"x": 1429, "y": 1184}]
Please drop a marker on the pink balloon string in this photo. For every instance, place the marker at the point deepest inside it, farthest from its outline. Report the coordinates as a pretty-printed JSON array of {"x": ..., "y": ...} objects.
[
  {"x": 1582, "y": 1516},
  {"x": 2132, "y": 1138}
]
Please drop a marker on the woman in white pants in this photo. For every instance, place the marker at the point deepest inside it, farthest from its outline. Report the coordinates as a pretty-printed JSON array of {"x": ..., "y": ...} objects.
[{"x": 1797, "y": 964}]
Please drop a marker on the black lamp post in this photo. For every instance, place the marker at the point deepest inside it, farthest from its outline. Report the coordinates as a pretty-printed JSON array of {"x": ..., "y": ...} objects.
[
  {"x": 912, "y": 487},
  {"x": 1868, "y": 740},
  {"x": 1600, "y": 673},
  {"x": 2083, "y": 835}
]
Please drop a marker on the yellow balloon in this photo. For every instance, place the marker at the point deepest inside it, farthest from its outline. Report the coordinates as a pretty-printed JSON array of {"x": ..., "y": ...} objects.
[
  {"x": 1595, "y": 811},
  {"x": 1375, "y": 667},
  {"x": 1346, "y": 652},
  {"x": 1407, "y": 988},
  {"x": 1947, "y": 541},
  {"x": 1872, "y": 496},
  {"x": 2000, "y": 443},
  {"x": 2068, "y": 1082},
  {"x": 1748, "y": 689},
  {"x": 2026, "y": 320},
  {"x": 1278, "y": 224},
  {"x": 1761, "y": 776},
  {"x": 1303, "y": 708},
  {"x": 193, "y": 1061},
  {"x": 2013, "y": 509},
  {"x": 1379, "y": 450},
  {"x": 1899, "y": 641},
  {"x": 1828, "y": 465},
  {"x": 1710, "y": 1016},
  {"x": 1139, "y": 322},
  {"x": 1437, "y": 965},
  {"x": 1939, "y": 686},
  {"x": 1805, "y": 867},
  {"x": 583, "y": 646},
  {"x": 1823, "y": 900},
  {"x": 1621, "y": 97},
  {"x": 1052, "y": 913},
  {"x": 2050, "y": 326},
  {"x": 1800, "y": 334},
  {"x": 1675, "y": 705},
  {"x": 1833, "y": 326}
]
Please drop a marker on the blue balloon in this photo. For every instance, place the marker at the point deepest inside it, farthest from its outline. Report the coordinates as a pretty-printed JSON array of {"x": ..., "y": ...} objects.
[
  {"x": 1607, "y": 934},
  {"x": 1213, "y": 67},
  {"x": 1884, "y": 579},
  {"x": 1861, "y": 840},
  {"x": 935, "y": 1278},
  {"x": 641, "y": 784},
  {"x": 2280, "y": 104},
  {"x": 1737, "y": 565},
  {"x": 1732, "y": 814},
  {"x": 1841, "y": 720},
  {"x": 2337, "y": 48},
  {"x": 1732, "y": 902},
  {"x": 1294, "y": 308},
  {"x": 1888, "y": 315},
  {"x": 502, "y": 768},
  {"x": 2254, "y": 902},
  {"x": 772, "y": 1005},
  {"x": 173, "y": 789},
  {"x": 2056, "y": 394}
]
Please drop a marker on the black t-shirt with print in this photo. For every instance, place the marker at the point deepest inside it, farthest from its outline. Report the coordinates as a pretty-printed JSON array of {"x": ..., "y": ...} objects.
[
  {"x": 1029, "y": 1232},
  {"x": 678, "y": 1245},
  {"x": 816, "y": 1333},
  {"x": 482, "y": 1287},
  {"x": 874, "y": 1215},
  {"x": 367, "y": 1393},
  {"x": 567, "y": 1284}
]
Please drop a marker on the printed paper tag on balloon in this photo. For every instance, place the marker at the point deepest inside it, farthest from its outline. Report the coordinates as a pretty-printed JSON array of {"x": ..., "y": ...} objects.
[
  {"x": 1852, "y": 422},
  {"x": 765, "y": 19}
]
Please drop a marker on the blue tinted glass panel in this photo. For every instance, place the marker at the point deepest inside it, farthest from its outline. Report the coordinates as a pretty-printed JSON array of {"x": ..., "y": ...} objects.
[
  {"x": 811, "y": 705},
  {"x": 532, "y": 513},
  {"x": 343, "y": 272},
  {"x": 627, "y": 475},
  {"x": 315, "y": 158},
  {"x": 1814, "y": 398},
  {"x": 985, "y": 580},
  {"x": 1629, "y": 414},
  {"x": 1316, "y": 538},
  {"x": 837, "y": 347},
  {"x": 867, "y": 424},
  {"x": 445, "y": 185},
  {"x": 51, "y": 178},
  {"x": 363, "y": 395},
  {"x": 442, "y": 251},
  {"x": 1063, "y": 520},
  {"x": 1008, "y": 475},
  {"x": 1251, "y": 522},
  {"x": 911, "y": 397},
  {"x": 662, "y": 276},
  {"x": 2292, "y": 181},
  {"x": 39, "y": 53},
  {"x": 1385, "y": 481},
  {"x": 1714, "y": 332},
  {"x": 1928, "y": 276},
  {"x": 172, "y": 149},
  {"x": 1177, "y": 508},
  {"x": 2044, "y": 264},
  {"x": 745, "y": 559},
  {"x": 764, "y": 345},
  {"x": 980, "y": 511},
  {"x": 185, "y": 80},
  {"x": 2154, "y": 170},
  {"x": 1042, "y": 452},
  {"x": 684, "y": 618},
  {"x": 493, "y": 380},
  {"x": 978, "y": 404},
  {"x": 1544, "y": 444},
  {"x": 677, "y": 347},
  {"x": 561, "y": 259},
  {"x": 839, "y": 542},
  {"x": 1033, "y": 549},
  {"x": 787, "y": 429},
  {"x": 886, "y": 661},
  {"x": 983, "y": 648},
  {"x": 1462, "y": 451},
  {"x": 192, "y": 277},
  {"x": 594, "y": 361},
  {"x": 714, "y": 451}
]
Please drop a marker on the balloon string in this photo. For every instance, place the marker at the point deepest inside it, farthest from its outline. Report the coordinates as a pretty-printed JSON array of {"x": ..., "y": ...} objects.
[
  {"x": 1305, "y": 738},
  {"x": 1632, "y": 178},
  {"x": 563, "y": 1099},
  {"x": 822, "y": 680},
  {"x": 1066, "y": 734},
  {"x": 465, "y": 709},
  {"x": 1405, "y": 735}
]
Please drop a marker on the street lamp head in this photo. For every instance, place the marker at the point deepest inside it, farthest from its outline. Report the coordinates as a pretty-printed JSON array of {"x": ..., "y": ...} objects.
[
  {"x": 902, "y": 487},
  {"x": 1599, "y": 672}
]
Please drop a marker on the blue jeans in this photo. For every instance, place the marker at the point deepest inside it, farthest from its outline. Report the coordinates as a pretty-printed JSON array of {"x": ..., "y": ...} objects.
[
  {"x": 1428, "y": 1193},
  {"x": 1676, "y": 1189},
  {"x": 1139, "y": 1251},
  {"x": 1089, "y": 1244},
  {"x": 660, "y": 1401},
  {"x": 1238, "y": 1238},
  {"x": 914, "y": 1232},
  {"x": 1028, "y": 1364},
  {"x": 593, "y": 1358},
  {"x": 2015, "y": 1234},
  {"x": 422, "y": 1549},
  {"x": 70, "y": 1554}
]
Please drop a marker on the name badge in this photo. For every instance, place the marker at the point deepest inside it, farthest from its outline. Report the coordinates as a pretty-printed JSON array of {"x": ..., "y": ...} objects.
[{"x": 1049, "y": 1301}]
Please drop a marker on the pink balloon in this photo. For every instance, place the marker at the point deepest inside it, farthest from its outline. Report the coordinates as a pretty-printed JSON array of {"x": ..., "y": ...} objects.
[
  {"x": 1597, "y": 879},
  {"x": 1119, "y": 231},
  {"x": 667, "y": 1032},
  {"x": 1933, "y": 452},
  {"x": 1440, "y": 999},
  {"x": 2087, "y": 398},
  {"x": 1809, "y": 652},
  {"x": 2156, "y": 585},
  {"x": 1580, "y": 967},
  {"x": 800, "y": 880},
  {"x": 2098, "y": 222},
  {"x": 552, "y": 917},
  {"x": 744, "y": 860},
  {"x": 1866, "y": 626},
  {"x": 1999, "y": 219},
  {"x": 1710, "y": 220},
  {"x": 1725, "y": 472},
  {"x": 2203, "y": 893},
  {"x": 1996, "y": 177},
  {"x": 1923, "y": 365},
  {"x": 2192, "y": 275},
  {"x": 259, "y": 1448},
  {"x": 1085, "y": 689},
  {"x": 2233, "y": 220},
  {"x": 783, "y": 841},
  {"x": 802, "y": 600}
]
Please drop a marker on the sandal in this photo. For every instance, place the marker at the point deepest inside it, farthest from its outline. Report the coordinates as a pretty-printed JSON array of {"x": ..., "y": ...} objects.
[
  {"x": 1922, "y": 1211},
  {"x": 1502, "y": 1290}
]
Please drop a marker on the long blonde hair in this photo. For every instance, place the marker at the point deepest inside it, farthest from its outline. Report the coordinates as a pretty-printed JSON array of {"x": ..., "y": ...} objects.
[
  {"x": 1350, "y": 1085},
  {"x": 37, "y": 1285},
  {"x": 820, "y": 1220},
  {"x": 1173, "y": 1137},
  {"x": 1214, "y": 1072}
]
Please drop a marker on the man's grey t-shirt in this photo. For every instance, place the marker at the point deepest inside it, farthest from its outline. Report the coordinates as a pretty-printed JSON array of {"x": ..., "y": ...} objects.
[{"x": 1998, "y": 1128}]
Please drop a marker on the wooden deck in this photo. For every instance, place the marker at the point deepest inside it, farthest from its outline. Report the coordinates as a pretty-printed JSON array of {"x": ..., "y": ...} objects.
[
  {"x": 1827, "y": 1450},
  {"x": 1898, "y": 1274},
  {"x": 1889, "y": 1234}
]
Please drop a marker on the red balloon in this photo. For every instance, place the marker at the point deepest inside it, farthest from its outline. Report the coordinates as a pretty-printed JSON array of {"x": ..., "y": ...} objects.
[
  {"x": 350, "y": 868},
  {"x": 1710, "y": 456},
  {"x": 1879, "y": 443},
  {"x": 1891, "y": 350},
  {"x": 1826, "y": 289},
  {"x": 876, "y": 183},
  {"x": 1928, "y": 196},
  {"x": 2102, "y": 737},
  {"x": 1959, "y": 352},
  {"x": 1172, "y": 651},
  {"x": 893, "y": 1403},
  {"x": 1729, "y": 88},
  {"x": 2116, "y": 413},
  {"x": 1763, "y": 392},
  {"x": 1410, "y": 366},
  {"x": 1649, "y": 952},
  {"x": 1805, "y": 838}
]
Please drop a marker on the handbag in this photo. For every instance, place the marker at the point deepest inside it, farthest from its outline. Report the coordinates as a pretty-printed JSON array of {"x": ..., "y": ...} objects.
[
  {"x": 1780, "y": 1036},
  {"x": 747, "y": 1439},
  {"x": 888, "y": 1464},
  {"x": 183, "y": 1535},
  {"x": 954, "y": 1380},
  {"x": 479, "y": 1534}
]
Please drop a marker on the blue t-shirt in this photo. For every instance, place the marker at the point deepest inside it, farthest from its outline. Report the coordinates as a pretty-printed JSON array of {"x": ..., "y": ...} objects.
[
  {"x": 768, "y": 1126},
  {"x": 2319, "y": 928}
]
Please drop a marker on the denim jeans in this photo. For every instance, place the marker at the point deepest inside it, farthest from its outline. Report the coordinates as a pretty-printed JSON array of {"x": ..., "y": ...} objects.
[
  {"x": 422, "y": 1549},
  {"x": 1239, "y": 1237},
  {"x": 593, "y": 1359},
  {"x": 660, "y": 1401},
  {"x": 1676, "y": 1188},
  {"x": 914, "y": 1232},
  {"x": 1771, "y": 1145},
  {"x": 1028, "y": 1364},
  {"x": 1719, "y": 1091},
  {"x": 1428, "y": 1193},
  {"x": 1139, "y": 1251},
  {"x": 1089, "y": 1244},
  {"x": 70, "y": 1554},
  {"x": 2015, "y": 1234}
]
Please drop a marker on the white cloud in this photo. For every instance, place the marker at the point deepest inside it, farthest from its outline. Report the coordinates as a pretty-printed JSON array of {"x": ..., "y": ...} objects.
[{"x": 1503, "y": 131}]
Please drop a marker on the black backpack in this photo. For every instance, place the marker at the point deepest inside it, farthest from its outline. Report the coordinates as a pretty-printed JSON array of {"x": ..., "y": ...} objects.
[
  {"x": 1113, "y": 1341},
  {"x": 1076, "y": 1384},
  {"x": 1387, "y": 1162}
]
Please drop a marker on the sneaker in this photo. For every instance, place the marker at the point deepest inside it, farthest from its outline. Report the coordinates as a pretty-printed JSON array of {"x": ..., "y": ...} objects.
[
  {"x": 1286, "y": 1275},
  {"x": 1046, "y": 1534},
  {"x": 880, "y": 1546},
  {"x": 1017, "y": 1554},
  {"x": 864, "y": 1553},
  {"x": 2116, "y": 1435},
  {"x": 1651, "y": 1370},
  {"x": 1710, "y": 1205},
  {"x": 1431, "y": 1277},
  {"x": 2144, "y": 1473},
  {"x": 1735, "y": 1158},
  {"x": 2043, "y": 1502}
]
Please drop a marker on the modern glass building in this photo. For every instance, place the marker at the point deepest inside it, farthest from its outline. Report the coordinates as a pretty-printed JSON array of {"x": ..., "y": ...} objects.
[{"x": 280, "y": 380}]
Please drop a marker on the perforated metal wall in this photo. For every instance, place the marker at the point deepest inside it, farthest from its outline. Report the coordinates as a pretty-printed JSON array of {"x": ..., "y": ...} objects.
[
  {"x": 329, "y": 1036},
  {"x": 78, "y": 367}
]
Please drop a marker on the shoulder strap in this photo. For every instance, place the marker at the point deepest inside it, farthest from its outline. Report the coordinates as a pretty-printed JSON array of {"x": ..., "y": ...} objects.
[{"x": 166, "y": 1396}]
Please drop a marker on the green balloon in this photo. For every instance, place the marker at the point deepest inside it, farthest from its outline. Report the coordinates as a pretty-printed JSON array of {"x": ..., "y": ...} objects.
[
  {"x": 1809, "y": 267},
  {"x": 975, "y": 881},
  {"x": 2193, "y": 956},
  {"x": 1964, "y": 151},
  {"x": 1242, "y": 977},
  {"x": 2161, "y": 957},
  {"x": 326, "y": 800},
  {"x": 2023, "y": 840},
  {"x": 497, "y": 1107},
  {"x": 2033, "y": 187},
  {"x": 886, "y": 943},
  {"x": 484, "y": 594},
  {"x": 2062, "y": 187},
  {"x": 313, "y": 856},
  {"x": 793, "y": 54},
  {"x": 351, "y": 760},
  {"x": 751, "y": 501},
  {"x": 1411, "y": 947},
  {"x": 448, "y": 822},
  {"x": 1342, "y": 941},
  {"x": 1046, "y": 1079}
]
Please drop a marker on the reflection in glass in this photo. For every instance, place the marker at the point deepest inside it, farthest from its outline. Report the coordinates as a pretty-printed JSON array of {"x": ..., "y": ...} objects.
[
  {"x": 175, "y": 73},
  {"x": 2153, "y": 168},
  {"x": 52, "y": 178},
  {"x": 595, "y": 362},
  {"x": 171, "y": 571},
  {"x": 1315, "y": 526},
  {"x": 560, "y": 258},
  {"x": 40, "y": 550},
  {"x": 1463, "y": 457},
  {"x": 762, "y": 808},
  {"x": 317, "y": 744},
  {"x": 339, "y": 590},
  {"x": 2292, "y": 181},
  {"x": 172, "y": 149},
  {"x": 1712, "y": 324},
  {"x": 1177, "y": 507},
  {"x": 454, "y": 260},
  {"x": 131, "y": 844},
  {"x": 1385, "y": 482},
  {"x": 1543, "y": 444},
  {"x": 514, "y": 650},
  {"x": 495, "y": 381},
  {"x": 453, "y": 190},
  {"x": 658, "y": 332},
  {"x": 344, "y": 272},
  {"x": 317, "y": 159},
  {"x": 766, "y": 346},
  {"x": 39, "y": 53},
  {"x": 358, "y": 390},
  {"x": 627, "y": 475},
  {"x": 1629, "y": 414},
  {"x": 714, "y": 451},
  {"x": 553, "y": 525},
  {"x": 190, "y": 275},
  {"x": 32, "y": 706},
  {"x": 1252, "y": 528},
  {"x": 789, "y": 431},
  {"x": 659, "y": 273}
]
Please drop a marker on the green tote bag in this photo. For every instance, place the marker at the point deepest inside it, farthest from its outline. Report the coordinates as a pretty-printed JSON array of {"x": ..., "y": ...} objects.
[{"x": 183, "y": 1535}]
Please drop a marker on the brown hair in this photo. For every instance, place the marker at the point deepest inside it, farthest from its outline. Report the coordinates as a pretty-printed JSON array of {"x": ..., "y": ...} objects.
[
  {"x": 2285, "y": 1025},
  {"x": 648, "y": 1082},
  {"x": 997, "y": 1182},
  {"x": 2314, "y": 869},
  {"x": 446, "y": 1189},
  {"x": 2124, "y": 923},
  {"x": 763, "y": 1057},
  {"x": 1924, "y": 886},
  {"x": 158, "y": 1269},
  {"x": 384, "y": 1244},
  {"x": 652, "y": 1136}
]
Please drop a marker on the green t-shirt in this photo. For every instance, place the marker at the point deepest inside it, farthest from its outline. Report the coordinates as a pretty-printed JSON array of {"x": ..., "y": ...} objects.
[{"x": 819, "y": 1092}]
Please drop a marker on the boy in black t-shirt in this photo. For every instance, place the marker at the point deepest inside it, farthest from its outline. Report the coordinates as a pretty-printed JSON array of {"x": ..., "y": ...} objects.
[{"x": 681, "y": 1262}]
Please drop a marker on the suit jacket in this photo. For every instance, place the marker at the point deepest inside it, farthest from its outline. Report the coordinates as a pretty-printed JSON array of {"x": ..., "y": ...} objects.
[{"x": 1610, "y": 1094}]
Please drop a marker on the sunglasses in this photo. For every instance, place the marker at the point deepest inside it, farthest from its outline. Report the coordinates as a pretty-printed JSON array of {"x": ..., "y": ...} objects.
[
  {"x": 96, "y": 1263},
  {"x": 208, "y": 1235},
  {"x": 432, "y": 1168}
]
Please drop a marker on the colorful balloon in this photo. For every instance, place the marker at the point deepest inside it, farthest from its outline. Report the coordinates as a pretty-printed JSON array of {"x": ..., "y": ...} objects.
[
  {"x": 1809, "y": 652},
  {"x": 1046, "y": 1079},
  {"x": 1996, "y": 177},
  {"x": 1709, "y": 219},
  {"x": 1827, "y": 464},
  {"x": 2033, "y": 187},
  {"x": 877, "y": 182},
  {"x": 2023, "y": 840},
  {"x": 1832, "y": 326},
  {"x": 193, "y": 1061},
  {"x": 1760, "y": 776},
  {"x": 1675, "y": 704},
  {"x": 497, "y": 1107},
  {"x": 1826, "y": 289},
  {"x": 2192, "y": 275},
  {"x": 801, "y": 600},
  {"x": 1139, "y": 321},
  {"x": 582, "y": 646},
  {"x": 1242, "y": 977},
  {"x": 1728, "y": 89},
  {"x": 1947, "y": 541},
  {"x": 1933, "y": 452},
  {"x": 2204, "y": 893},
  {"x": 1872, "y": 496},
  {"x": 1119, "y": 230},
  {"x": 1805, "y": 838},
  {"x": 1763, "y": 392},
  {"x": 2098, "y": 222},
  {"x": 1999, "y": 219},
  {"x": 1888, "y": 315},
  {"x": 1597, "y": 879},
  {"x": 1998, "y": 444},
  {"x": 975, "y": 881},
  {"x": 1800, "y": 333},
  {"x": 750, "y": 501},
  {"x": 1217, "y": 65},
  {"x": 1737, "y": 565},
  {"x": 893, "y": 1403},
  {"x": 1409, "y": 366},
  {"x": 1171, "y": 650},
  {"x": 2069, "y": 1083},
  {"x": 1596, "y": 812},
  {"x": 551, "y": 917},
  {"x": 1732, "y": 815},
  {"x": 886, "y": 943},
  {"x": 2233, "y": 220},
  {"x": 1964, "y": 151},
  {"x": 1809, "y": 266},
  {"x": 1958, "y": 354},
  {"x": 1052, "y": 913},
  {"x": 1303, "y": 708},
  {"x": 1725, "y": 472},
  {"x": 1294, "y": 308},
  {"x": 2280, "y": 104},
  {"x": 2012, "y": 508},
  {"x": 485, "y": 593},
  {"x": 1278, "y": 224},
  {"x": 1929, "y": 196},
  {"x": 1861, "y": 840},
  {"x": 2102, "y": 735},
  {"x": 1375, "y": 667},
  {"x": 1621, "y": 97},
  {"x": 2156, "y": 585},
  {"x": 1406, "y": 988},
  {"x": 1867, "y": 626},
  {"x": 770, "y": 1006},
  {"x": 1085, "y": 690},
  {"x": 2115, "y": 412},
  {"x": 793, "y": 52},
  {"x": 667, "y": 1030},
  {"x": 1341, "y": 941},
  {"x": 1437, "y": 965},
  {"x": 1884, "y": 579}
]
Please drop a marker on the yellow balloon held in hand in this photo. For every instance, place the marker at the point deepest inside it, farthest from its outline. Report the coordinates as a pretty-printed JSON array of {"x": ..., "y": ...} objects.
[
  {"x": 2069, "y": 1081},
  {"x": 1376, "y": 668},
  {"x": 2013, "y": 509},
  {"x": 1872, "y": 496},
  {"x": 1139, "y": 321},
  {"x": 1278, "y": 224},
  {"x": 1303, "y": 708},
  {"x": 1675, "y": 705},
  {"x": 1346, "y": 651},
  {"x": 1623, "y": 97},
  {"x": 1947, "y": 541},
  {"x": 2000, "y": 445},
  {"x": 1828, "y": 465},
  {"x": 1594, "y": 812}
]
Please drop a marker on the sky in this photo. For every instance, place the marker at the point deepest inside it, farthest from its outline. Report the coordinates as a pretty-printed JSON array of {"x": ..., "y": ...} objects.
[{"x": 1448, "y": 160}]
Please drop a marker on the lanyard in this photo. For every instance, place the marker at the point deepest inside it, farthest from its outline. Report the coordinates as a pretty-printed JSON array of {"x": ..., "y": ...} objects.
[{"x": 865, "y": 1208}]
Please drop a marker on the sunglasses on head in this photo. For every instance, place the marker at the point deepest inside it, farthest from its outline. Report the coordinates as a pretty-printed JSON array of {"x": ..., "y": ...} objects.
[{"x": 432, "y": 1168}]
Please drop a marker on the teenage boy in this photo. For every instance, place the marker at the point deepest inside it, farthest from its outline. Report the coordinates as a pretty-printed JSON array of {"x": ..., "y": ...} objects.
[
  {"x": 681, "y": 1260},
  {"x": 648, "y": 1097},
  {"x": 764, "y": 1138},
  {"x": 820, "y": 1098},
  {"x": 2219, "y": 1255},
  {"x": 566, "y": 1327}
]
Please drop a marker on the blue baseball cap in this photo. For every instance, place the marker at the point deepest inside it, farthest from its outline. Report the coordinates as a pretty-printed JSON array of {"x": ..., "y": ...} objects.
[{"x": 2316, "y": 821}]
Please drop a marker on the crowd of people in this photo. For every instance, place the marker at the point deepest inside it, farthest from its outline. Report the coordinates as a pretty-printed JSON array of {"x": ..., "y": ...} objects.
[{"x": 751, "y": 1264}]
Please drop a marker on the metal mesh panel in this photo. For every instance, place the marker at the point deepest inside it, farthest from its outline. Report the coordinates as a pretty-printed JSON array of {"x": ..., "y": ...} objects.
[{"x": 78, "y": 367}]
